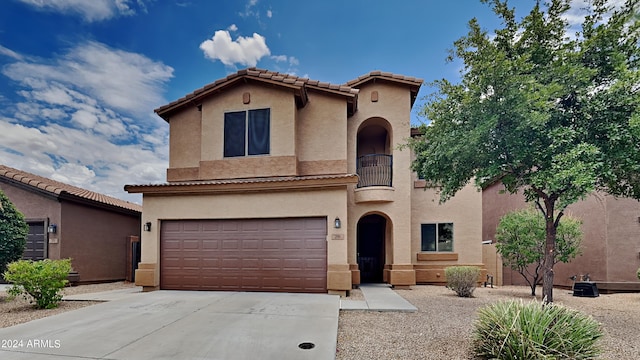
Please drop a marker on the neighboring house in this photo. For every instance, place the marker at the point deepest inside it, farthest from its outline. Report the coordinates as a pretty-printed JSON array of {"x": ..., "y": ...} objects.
[
  {"x": 610, "y": 246},
  {"x": 65, "y": 221},
  {"x": 281, "y": 183}
]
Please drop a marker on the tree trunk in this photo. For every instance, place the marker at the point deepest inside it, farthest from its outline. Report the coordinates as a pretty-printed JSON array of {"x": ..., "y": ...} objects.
[{"x": 549, "y": 256}]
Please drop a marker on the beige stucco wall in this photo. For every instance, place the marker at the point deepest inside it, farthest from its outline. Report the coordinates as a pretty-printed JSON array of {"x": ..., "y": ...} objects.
[
  {"x": 463, "y": 210},
  {"x": 322, "y": 129},
  {"x": 184, "y": 138},
  {"x": 392, "y": 107},
  {"x": 303, "y": 141},
  {"x": 282, "y": 108},
  {"x": 392, "y": 110},
  {"x": 329, "y": 203},
  {"x": 623, "y": 239}
]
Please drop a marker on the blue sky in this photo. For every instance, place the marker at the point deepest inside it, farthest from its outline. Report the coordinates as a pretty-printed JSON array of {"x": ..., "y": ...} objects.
[{"x": 80, "y": 79}]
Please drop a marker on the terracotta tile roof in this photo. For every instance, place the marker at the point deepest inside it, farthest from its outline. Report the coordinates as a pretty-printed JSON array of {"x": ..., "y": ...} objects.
[
  {"x": 280, "y": 181},
  {"x": 409, "y": 80},
  {"x": 297, "y": 83},
  {"x": 412, "y": 82},
  {"x": 57, "y": 189}
]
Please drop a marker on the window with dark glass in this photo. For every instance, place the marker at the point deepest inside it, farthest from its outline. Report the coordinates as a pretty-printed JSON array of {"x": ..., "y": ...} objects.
[
  {"x": 246, "y": 133},
  {"x": 436, "y": 237}
]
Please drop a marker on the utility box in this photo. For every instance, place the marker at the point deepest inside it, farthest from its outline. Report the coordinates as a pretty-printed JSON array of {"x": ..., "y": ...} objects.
[{"x": 585, "y": 289}]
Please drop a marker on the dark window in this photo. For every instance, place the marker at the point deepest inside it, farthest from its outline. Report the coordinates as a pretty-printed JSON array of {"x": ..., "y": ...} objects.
[
  {"x": 234, "y": 133},
  {"x": 258, "y": 132},
  {"x": 437, "y": 237},
  {"x": 246, "y": 133}
]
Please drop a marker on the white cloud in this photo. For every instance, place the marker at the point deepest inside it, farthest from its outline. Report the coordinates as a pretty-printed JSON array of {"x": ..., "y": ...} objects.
[
  {"x": 248, "y": 9},
  {"x": 269, "y": 13},
  {"x": 122, "y": 80},
  {"x": 86, "y": 118},
  {"x": 580, "y": 8},
  {"x": 232, "y": 27},
  {"x": 89, "y": 10},
  {"x": 10, "y": 53},
  {"x": 243, "y": 50},
  {"x": 279, "y": 58}
]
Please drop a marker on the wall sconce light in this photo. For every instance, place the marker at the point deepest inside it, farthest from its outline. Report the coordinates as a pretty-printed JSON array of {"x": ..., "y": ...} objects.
[
  {"x": 52, "y": 228},
  {"x": 147, "y": 226},
  {"x": 336, "y": 223}
]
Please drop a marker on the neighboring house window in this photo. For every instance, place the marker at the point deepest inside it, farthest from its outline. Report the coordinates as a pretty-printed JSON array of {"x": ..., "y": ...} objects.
[
  {"x": 246, "y": 133},
  {"x": 437, "y": 237}
]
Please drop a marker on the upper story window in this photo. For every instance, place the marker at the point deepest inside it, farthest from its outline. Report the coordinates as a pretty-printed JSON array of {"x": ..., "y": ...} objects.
[{"x": 246, "y": 132}]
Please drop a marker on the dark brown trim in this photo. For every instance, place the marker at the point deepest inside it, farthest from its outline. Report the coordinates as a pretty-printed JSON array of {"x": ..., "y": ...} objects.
[{"x": 437, "y": 257}]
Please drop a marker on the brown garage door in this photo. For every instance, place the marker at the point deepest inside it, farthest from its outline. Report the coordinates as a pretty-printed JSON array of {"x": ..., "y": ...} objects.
[{"x": 288, "y": 255}]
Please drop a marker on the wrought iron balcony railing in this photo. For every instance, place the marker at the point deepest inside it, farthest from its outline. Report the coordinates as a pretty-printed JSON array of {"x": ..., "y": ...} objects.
[{"x": 375, "y": 170}]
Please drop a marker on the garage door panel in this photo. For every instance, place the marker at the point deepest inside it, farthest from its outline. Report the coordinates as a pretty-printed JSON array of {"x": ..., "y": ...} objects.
[
  {"x": 210, "y": 244},
  {"x": 172, "y": 227},
  {"x": 247, "y": 255},
  {"x": 292, "y": 244}
]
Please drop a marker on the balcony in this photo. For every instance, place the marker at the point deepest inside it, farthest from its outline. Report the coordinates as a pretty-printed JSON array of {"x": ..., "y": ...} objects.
[
  {"x": 374, "y": 179},
  {"x": 375, "y": 170}
]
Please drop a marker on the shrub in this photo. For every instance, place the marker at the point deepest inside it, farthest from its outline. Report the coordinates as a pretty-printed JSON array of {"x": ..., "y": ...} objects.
[
  {"x": 13, "y": 232},
  {"x": 515, "y": 330},
  {"x": 462, "y": 279},
  {"x": 638, "y": 273},
  {"x": 38, "y": 281}
]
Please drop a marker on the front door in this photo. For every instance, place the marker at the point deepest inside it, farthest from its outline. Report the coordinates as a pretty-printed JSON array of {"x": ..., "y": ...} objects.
[
  {"x": 371, "y": 235},
  {"x": 36, "y": 246}
]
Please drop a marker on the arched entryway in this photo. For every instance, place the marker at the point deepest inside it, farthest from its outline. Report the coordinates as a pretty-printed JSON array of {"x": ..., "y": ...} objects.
[{"x": 371, "y": 248}]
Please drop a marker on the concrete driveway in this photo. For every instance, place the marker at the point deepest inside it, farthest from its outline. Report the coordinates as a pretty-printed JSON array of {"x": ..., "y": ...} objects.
[{"x": 184, "y": 325}]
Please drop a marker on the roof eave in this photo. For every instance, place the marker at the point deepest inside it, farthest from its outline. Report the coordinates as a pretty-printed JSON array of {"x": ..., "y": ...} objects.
[{"x": 203, "y": 187}]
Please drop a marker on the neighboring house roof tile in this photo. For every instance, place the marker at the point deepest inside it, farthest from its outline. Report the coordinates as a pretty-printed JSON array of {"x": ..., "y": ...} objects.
[
  {"x": 57, "y": 189},
  {"x": 299, "y": 84}
]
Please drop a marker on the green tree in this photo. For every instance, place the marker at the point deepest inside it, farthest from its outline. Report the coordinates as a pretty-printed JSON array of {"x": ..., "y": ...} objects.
[
  {"x": 13, "y": 232},
  {"x": 521, "y": 240},
  {"x": 541, "y": 108}
]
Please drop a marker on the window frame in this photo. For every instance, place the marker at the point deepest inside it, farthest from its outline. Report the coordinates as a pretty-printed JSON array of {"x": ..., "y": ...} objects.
[
  {"x": 437, "y": 237},
  {"x": 250, "y": 148}
]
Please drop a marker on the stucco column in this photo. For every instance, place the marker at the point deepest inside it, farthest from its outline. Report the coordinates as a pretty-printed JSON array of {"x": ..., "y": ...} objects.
[
  {"x": 148, "y": 272},
  {"x": 338, "y": 274}
]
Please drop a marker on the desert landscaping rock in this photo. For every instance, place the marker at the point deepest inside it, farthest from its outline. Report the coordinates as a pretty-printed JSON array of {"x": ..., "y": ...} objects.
[
  {"x": 18, "y": 310},
  {"x": 442, "y": 327}
]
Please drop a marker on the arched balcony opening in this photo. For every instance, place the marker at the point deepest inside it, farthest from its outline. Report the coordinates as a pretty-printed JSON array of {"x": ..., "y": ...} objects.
[{"x": 374, "y": 164}]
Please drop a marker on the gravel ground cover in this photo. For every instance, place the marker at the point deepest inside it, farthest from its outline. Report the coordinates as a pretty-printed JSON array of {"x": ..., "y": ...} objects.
[
  {"x": 18, "y": 310},
  {"x": 442, "y": 327}
]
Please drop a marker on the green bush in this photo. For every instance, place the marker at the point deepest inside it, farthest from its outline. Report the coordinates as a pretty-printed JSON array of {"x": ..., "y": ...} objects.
[
  {"x": 638, "y": 273},
  {"x": 462, "y": 279},
  {"x": 38, "y": 281},
  {"x": 13, "y": 232},
  {"x": 515, "y": 330}
]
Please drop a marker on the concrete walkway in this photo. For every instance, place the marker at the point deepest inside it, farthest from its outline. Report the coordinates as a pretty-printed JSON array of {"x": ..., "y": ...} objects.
[{"x": 378, "y": 297}]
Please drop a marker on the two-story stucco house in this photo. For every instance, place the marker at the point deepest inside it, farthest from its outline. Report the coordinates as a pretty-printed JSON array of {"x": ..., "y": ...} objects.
[{"x": 281, "y": 183}]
